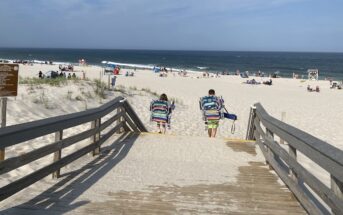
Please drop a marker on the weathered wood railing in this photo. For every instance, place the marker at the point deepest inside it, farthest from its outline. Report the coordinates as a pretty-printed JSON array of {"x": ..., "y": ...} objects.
[
  {"x": 262, "y": 128},
  {"x": 124, "y": 119}
]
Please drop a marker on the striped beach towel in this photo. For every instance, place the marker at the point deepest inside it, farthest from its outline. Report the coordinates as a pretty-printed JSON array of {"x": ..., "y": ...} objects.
[{"x": 159, "y": 111}]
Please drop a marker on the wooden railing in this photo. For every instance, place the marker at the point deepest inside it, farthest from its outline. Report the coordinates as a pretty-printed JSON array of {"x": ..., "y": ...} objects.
[
  {"x": 124, "y": 118},
  {"x": 263, "y": 128}
]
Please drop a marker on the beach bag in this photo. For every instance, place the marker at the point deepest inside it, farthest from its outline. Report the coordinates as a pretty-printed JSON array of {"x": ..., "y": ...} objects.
[
  {"x": 230, "y": 116},
  {"x": 159, "y": 111},
  {"x": 211, "y": 107}
]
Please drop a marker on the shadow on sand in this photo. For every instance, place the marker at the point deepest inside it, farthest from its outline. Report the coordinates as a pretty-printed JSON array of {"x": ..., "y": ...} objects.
[{"x": 60, "y": 197}]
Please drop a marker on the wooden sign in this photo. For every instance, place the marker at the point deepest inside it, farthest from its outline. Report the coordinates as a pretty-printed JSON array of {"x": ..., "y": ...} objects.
[{"x": 8, "y": 80}]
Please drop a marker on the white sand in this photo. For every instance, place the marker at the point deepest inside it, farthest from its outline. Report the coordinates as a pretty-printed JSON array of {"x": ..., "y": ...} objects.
[
  {"x": 316, "y": 113},
  {"x": 140, "y": 164}
]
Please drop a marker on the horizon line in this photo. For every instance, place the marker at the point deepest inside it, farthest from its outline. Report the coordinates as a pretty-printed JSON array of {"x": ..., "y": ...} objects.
[{"x": 175, "y": 50}]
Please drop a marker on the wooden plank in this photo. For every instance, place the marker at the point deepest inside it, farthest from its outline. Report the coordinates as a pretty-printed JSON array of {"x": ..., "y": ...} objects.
[
  {"x": 3, "y": 124},
  {"x": 134, "y": 117},
  {"x": 293, "y": 154},
  {"x": 3, "y": 111},
  {"x": 337, "y": 188},
  {"x": 30, "y": 179},
  {"x": 327, "y": 195},
  {"x": 316, "y": 185},
  {"x": 121, "y": 112},
  {"x": 15, "y": 134},
  {"x": 309, "y": 206},
  {"x": 126, "y": 128},
  {"x": 16, "y": 162},
  {"x": 96, "y": 136},
  {"x": 258, "y": 134},
  {"x": 114, "y": 118},
  {"x": 314, "y": 142},
  {"x": 26, "y": 181},
  {"x": 131, "y": 124},
  {"x": 250, "y": 130},
  {"x": 2, "y": 154},
  {"x": 129, "y": 114},
  {"x": 122, "y": 119},
  {"x": 270, "y": 135},
  {"x": 58, "y": 153},
  {"x": 110, "y": 133},
  {"x": 283, "y": 116},
  {"x": 328, "y": 157}
]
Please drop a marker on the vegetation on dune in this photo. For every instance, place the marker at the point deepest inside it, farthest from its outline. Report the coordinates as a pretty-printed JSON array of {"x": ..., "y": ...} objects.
[{"x": 98, "y": 90}]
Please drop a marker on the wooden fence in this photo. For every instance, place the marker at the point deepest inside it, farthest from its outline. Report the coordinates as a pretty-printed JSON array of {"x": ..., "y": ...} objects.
[
  {"x": 263, "y": 128},
  {"x": 124, "y": 118}
]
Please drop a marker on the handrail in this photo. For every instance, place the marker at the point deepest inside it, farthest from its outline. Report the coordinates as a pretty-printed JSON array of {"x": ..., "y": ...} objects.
[
  {"x": 125, "y": 119},
  {"x": 290, "y": 170},
  {"x": 12, "y": 135}
]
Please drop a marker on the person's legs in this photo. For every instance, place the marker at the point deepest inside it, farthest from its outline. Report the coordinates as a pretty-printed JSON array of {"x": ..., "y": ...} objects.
[
  {"x": 159, "y": 127},
  {"x": 214, "y": 126},
  {"x": 209, "y": 132},
  {"x": 214, "y": 132},
  {"x": 210, "y": 126},
  {"x": 163, "y": 128}
]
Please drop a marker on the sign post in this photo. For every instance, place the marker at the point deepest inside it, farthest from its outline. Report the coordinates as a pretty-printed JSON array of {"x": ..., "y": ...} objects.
[
  {"x": 8, "y": 87},
  {"x": 3, "y": 111}
]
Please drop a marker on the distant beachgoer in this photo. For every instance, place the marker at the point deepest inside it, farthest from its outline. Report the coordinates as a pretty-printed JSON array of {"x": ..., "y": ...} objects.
[
  {"x": 270, "y": 82},
  {"x": 309, "y": 88},
  {"x": 74, "y": 76},
  {"x": 211, "y": 106},
  {"x": 69, "y": 76},
  {"x": 40, "y": 74}
]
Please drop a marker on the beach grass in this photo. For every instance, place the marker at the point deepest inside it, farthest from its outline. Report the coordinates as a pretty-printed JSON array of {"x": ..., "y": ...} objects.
[{"x": 57, "y": 82}]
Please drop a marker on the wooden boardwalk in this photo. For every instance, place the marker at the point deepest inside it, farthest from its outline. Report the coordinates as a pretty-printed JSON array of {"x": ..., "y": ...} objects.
[{"x": 87, "y": 186}]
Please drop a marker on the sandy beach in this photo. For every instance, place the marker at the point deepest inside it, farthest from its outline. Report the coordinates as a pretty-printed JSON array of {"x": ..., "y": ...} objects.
[
  {"x": 171, "y": 107},
  {"x": 315, "y": 113}
]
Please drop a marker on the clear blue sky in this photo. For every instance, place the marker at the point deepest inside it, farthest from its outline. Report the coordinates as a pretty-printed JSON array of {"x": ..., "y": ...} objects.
[{"x": 237, "y": 25}]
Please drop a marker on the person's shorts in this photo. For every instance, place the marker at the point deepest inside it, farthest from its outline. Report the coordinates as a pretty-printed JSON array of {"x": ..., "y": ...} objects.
[
  {"x": 212, "y": 124},
  {"x": 163, "y": 124}
]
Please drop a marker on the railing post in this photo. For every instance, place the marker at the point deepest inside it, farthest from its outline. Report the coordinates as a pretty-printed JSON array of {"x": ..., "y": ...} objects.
[
  {"x": 57, "y": 154},
  {"x": 270, "y": 135},
  {"x": 2, "y": 154},
  {"x": 337, "y": 188},
  {"x": 125, "y": 128},
  {"x": 251, "y": 127},
  {"x": 118, "y": 121},
  {"x": 96, "y": 137},
  {"x": 293, "y": 154},
  {"x": 283, "y": 116},
  {"x": 3, "y": 104}
]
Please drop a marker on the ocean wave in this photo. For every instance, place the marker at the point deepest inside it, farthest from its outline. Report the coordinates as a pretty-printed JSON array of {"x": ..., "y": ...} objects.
[{"x": 202, "y": 67}]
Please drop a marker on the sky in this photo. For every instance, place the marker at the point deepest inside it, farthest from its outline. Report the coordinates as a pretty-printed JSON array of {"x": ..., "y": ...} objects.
[{"x": 227, "y": 25}]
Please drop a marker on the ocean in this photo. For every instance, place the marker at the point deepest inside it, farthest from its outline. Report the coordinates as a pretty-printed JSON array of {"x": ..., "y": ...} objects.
[{"x": 287, "y": 63}]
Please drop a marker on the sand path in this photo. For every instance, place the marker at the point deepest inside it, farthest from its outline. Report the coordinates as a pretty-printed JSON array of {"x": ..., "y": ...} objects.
[{"x": 154, "y": 174}]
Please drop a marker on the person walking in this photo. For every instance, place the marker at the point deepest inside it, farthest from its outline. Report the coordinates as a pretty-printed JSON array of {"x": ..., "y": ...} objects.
[
  {"x": 211, "y": 107},
  {"x": 160, "y": 112}
]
